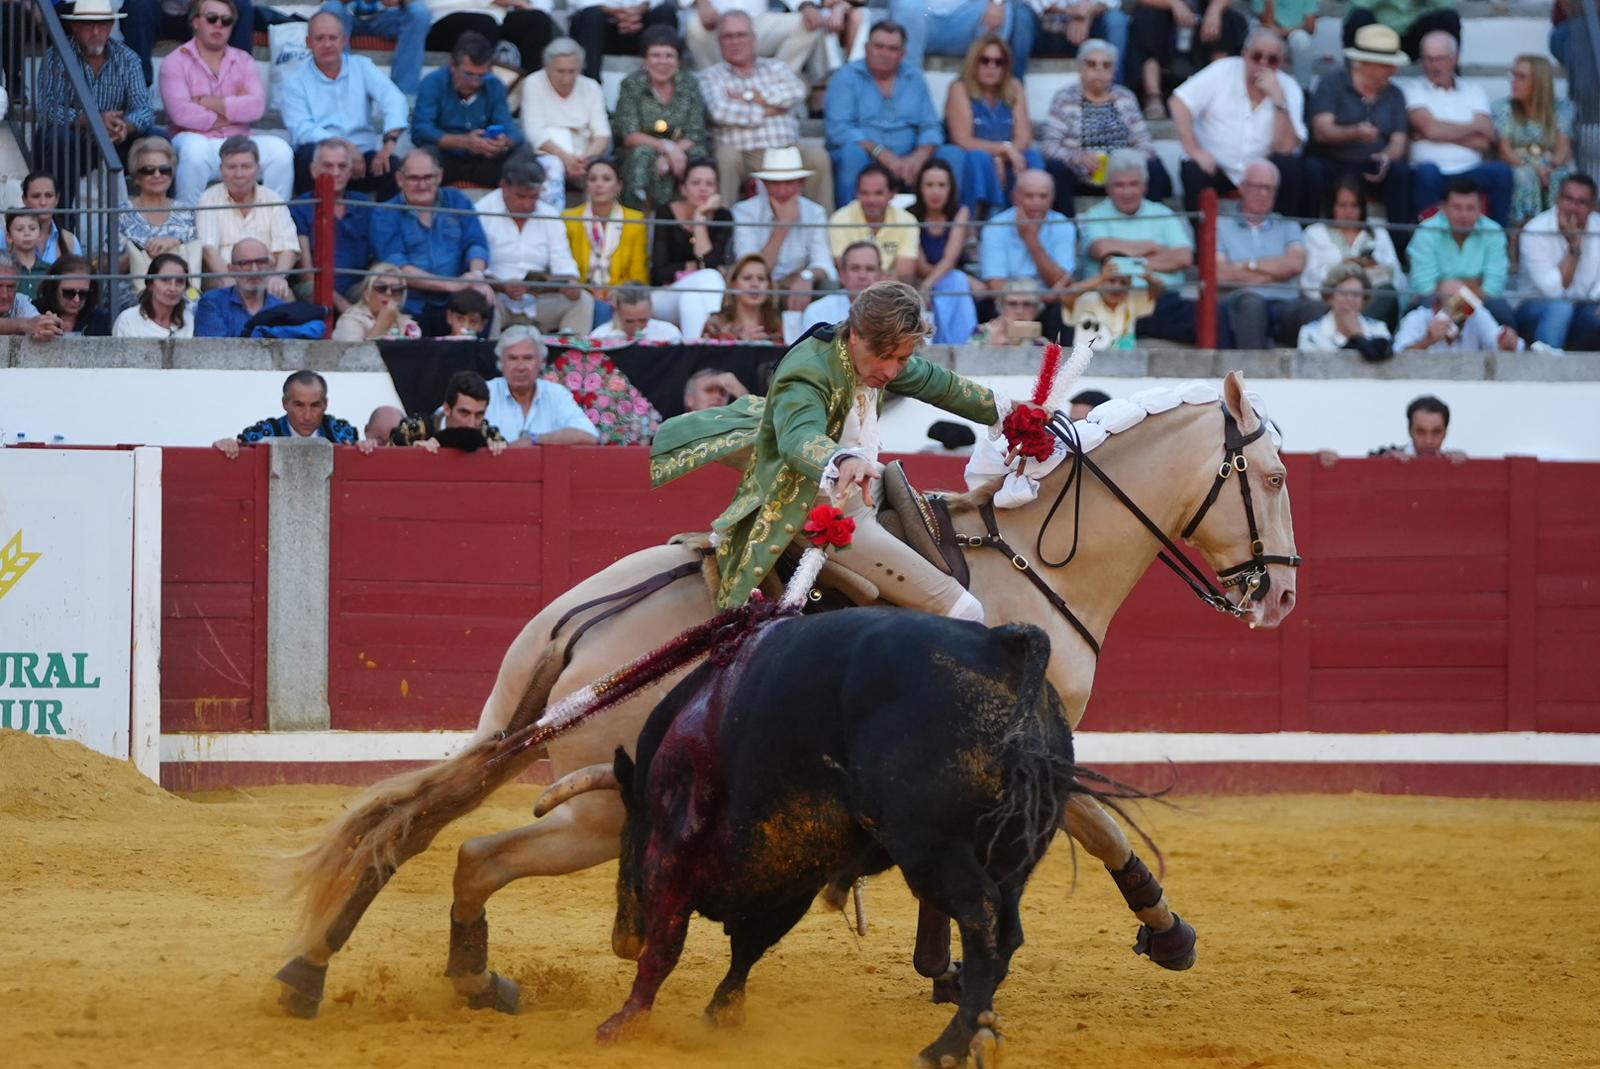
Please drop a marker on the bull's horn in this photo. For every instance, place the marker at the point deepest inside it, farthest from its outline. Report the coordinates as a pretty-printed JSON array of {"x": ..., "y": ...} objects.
[{"x": 584, "y": 780}]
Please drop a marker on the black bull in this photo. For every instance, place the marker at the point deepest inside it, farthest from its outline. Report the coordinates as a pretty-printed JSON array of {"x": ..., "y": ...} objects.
[{"x": 834, "y": 747}]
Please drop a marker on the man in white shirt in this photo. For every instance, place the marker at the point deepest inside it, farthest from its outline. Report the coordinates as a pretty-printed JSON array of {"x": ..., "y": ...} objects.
[
  {"x": 239, "y": 208},
  {"x": 1239, "y": 109},
  {"x": 1428, "y": 328},
  {"x": 519, "y": 246},
  {"x": 632, "y": 320},
  {"x": 750, "y": 104},
  {"x": 564, "y": 112},
  {"x": 530, "y": 410},
  {"x": 860, "y": 265},
  {"x": 798, "y": 255},
  {"x": 793, "y": 37},
  {"x": 1452, "y": 132},
  {"x": 1560, "y": 257}
]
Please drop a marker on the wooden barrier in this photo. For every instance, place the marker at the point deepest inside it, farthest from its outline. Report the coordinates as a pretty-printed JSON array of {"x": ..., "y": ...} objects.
[{"x": 1435, "y": 597}]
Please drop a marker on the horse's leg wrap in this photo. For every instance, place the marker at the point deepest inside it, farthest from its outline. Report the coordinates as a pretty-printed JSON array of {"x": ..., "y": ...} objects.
[
  {"x": 501, "y": 995},
  {"x": 302, "y": 987},
  {"x": 469, "y": 947},
  {"x": 1170, "y": 949},
  {"x": 1139, "y": 886}
]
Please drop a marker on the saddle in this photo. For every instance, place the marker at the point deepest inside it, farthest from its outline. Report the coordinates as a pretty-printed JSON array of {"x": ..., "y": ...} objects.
[{"x": 921, "y": 521}]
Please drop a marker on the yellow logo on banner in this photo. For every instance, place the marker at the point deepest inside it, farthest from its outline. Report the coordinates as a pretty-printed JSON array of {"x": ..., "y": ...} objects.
[{"x": 14, "y": 563}]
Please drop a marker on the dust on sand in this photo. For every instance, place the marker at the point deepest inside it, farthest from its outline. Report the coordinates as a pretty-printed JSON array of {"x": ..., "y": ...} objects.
[{"x": 1355, "y": 931}]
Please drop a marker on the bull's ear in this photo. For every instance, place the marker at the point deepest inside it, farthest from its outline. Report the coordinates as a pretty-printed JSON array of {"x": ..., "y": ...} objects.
[
  {"x": 622, "y": 768},
  {"x": 1244, "y": 413}
]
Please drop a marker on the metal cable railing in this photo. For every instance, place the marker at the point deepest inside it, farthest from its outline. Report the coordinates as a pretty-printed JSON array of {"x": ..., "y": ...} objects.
[{"x": 86, "y": 167}]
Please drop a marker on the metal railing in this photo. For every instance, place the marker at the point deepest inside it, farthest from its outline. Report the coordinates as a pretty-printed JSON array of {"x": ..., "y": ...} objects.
[{"x": 85, "y": 164}]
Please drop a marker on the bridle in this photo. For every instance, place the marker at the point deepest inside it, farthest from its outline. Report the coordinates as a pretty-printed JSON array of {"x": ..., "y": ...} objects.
[{"x": 1251, "y": 576}]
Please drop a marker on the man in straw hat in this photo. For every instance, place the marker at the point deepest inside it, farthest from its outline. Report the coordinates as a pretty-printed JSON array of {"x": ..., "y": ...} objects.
[
  {"x": 766, "y": 223},
  {"x": 1411, "y": 19},
  {"x": 1359, "y": 126},
  {"x": 119, "y": 87},
  {"x": 814, "y": 439}
]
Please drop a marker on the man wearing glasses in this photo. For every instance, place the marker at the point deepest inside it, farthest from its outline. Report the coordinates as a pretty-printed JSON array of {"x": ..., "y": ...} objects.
[
  {"x": 1560, "y": 259},
  {"x": 170, "y": 20},
  {"x": 18, "y": 314},
  {"x": 464, "y": 112},
  {"x": 213, "y": 92},
  {"x": 222, "y": 313},
  {"x": 1238, "y": 109},
  {"x": 434, "y": 237}
]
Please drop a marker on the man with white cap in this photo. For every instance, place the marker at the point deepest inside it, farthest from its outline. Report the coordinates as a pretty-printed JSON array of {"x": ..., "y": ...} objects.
[
  {"x": 118, "y": 85},
  {"x": 766, "y": 223},
  {"x": 1359, "y": 126}
]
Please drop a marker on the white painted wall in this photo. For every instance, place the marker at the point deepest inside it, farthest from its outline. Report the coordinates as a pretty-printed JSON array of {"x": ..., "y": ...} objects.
[{"x": 1553, "y": 420}]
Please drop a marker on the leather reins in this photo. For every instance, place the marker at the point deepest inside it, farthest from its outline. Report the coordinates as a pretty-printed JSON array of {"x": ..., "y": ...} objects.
[{"x": 1251, "y": 576}]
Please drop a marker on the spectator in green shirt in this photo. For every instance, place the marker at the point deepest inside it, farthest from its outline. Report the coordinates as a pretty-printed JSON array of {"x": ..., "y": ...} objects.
[
  {"x": 1411, "y": 19},
  {"x": 1459, "y": 242}
]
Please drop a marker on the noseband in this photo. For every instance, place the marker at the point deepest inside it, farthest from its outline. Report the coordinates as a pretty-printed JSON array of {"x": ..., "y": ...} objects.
[{"x": 1251, "y": 576}]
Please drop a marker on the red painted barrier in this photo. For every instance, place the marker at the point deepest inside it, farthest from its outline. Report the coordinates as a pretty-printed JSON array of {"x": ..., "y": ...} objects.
[{"x": 1435, "y": 597}]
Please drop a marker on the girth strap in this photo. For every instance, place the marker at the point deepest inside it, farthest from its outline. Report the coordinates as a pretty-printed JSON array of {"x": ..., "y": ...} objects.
[
  {"x": 1021, "y": 564},
  {"x": 620, "y": 601}
]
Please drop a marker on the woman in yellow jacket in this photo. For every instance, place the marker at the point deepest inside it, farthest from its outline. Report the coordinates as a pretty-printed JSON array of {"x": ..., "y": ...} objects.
[{"x": 608, "y": 253}]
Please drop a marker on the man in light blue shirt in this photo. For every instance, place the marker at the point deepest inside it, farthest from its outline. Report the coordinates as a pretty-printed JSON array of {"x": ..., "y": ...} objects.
[
  {"x": 333, "y": 96},
  {"x": 1030, "y": 241},
  {"x": 530, "y": 410},
  {"x": 1126, "y": 224},
  {"x": 405, "y": 22},
  {"x": 1260, "y": 256},
  {"x": 879, "y": 109},
  {"x": 948, "y": 27}
]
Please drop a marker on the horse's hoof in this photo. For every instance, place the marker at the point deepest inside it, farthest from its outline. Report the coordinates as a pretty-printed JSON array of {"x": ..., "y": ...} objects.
[
  {"x": 302, "y": 987},
  {"x": 727, "y": 1014},
  {"x": 947, "y": 988},
  {"x": 501, "y": 995},
  {"x": 618, "y": 1027},
  {"x": 1172, "y": 949}
]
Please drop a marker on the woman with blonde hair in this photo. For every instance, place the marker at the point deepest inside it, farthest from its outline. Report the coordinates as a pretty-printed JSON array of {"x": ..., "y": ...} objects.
[
  {"x": 1535, "y": 136},
  {"x": 750, "y": 312},
  {"x": 153, "y": 222},
  {"x": 991, "y": 134},
  {"x": 379, "y": 313},
  {"x": 814, "y": 440}
]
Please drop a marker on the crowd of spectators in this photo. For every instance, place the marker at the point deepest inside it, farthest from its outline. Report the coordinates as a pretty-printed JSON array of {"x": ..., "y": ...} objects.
[{"x": 695, "y": 209}]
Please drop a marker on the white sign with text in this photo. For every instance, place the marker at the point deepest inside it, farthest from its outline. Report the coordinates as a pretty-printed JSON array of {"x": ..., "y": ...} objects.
[{"x": 66, "y": 594}]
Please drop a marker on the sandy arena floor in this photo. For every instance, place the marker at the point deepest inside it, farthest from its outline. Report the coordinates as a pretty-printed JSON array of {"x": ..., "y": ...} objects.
[{"x": 1355, "y": 931}]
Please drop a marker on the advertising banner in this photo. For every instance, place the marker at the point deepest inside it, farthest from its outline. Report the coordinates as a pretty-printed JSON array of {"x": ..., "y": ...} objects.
[{"x": 66, "y": 594}]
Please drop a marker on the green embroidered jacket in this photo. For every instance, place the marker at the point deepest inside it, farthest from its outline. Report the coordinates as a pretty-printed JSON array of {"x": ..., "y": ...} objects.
[{"x": 792, "y": 435}]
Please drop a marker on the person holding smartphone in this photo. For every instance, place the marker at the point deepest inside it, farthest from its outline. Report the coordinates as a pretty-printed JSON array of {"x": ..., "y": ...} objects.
[{"x": 463, "y": 111}]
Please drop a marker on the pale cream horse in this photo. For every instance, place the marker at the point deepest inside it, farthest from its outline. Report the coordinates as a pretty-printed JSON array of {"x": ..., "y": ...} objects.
[{"x": 1168, "y": 464}]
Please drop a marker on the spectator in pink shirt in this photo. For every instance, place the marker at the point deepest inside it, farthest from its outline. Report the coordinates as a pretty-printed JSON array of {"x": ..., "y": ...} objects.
[{"x": 212, "y": 91}]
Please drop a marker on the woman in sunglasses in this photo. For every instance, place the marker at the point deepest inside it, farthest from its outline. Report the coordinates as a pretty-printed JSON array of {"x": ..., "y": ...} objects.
[
  {"x": 153, "y": 223},
  {"x": 74, "y": 297},
  {"x": 991, "y": 136},
  {"x": 379, "y": 313}
]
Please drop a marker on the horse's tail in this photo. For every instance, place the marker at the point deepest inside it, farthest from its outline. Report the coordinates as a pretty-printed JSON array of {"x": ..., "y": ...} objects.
[{"x": 397, "y": 818}]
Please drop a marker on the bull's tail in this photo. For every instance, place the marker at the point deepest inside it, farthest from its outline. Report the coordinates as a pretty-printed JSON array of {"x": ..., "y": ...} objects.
[
  {"x": 397, "y": 818},
  {"x": 1036, "y": 754}
]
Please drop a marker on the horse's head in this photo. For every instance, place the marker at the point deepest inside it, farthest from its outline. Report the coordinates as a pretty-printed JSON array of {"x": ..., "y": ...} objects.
[{"x": 1244, "y": 527}]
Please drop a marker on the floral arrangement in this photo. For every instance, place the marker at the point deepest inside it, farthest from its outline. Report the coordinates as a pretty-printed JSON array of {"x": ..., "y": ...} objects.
[{"x": 618, "y": 411}]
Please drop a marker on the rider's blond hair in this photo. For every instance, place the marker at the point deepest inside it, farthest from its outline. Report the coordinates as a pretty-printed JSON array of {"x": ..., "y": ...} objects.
[{"x": 886, "y": 313}]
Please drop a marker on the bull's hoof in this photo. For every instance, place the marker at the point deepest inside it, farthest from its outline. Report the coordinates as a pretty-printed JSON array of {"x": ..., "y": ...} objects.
[
  {"x": 618, "y": 1026},
  {"x": 302, "y": 987},
  {"x": 947, "y": 988},
  {"x": 726, "y": 1013},
  {"x": 501, "y": 995},
  {"x": 986, "y": 1042},
  {"x": 1172, "y": 949}
]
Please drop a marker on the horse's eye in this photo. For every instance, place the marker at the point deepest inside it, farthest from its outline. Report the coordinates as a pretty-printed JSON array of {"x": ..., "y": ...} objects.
[{"x": 1275, "y": 481}]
